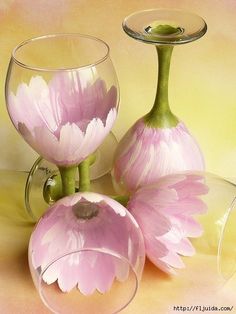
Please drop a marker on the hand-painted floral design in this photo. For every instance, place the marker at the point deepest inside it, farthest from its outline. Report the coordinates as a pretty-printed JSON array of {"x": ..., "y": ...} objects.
[
  {"x": 145, "y": 154},
  {"x": 108, "y": 231},
  {"x": 66, "y": 119},
  {"x": 165, "y": 213}
]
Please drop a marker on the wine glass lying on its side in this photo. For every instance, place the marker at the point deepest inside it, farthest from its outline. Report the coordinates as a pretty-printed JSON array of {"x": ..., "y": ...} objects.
[
  {"x": 86, "y": 253},
  {"x": 189, "y": 214}
]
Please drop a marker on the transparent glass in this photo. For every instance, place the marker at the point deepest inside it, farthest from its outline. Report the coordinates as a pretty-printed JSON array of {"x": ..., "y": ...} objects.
[
  {"x": 160, "y": 133},
  {"x": 86, "y": 254},
  {"x": 188, "y": 224},
  {"x": 213, "y": 266},
  {"x": 189, "y": 26},
  {"x": 43, "y": 174},
  {"x": 219, "y": 234},
  {"x": 62, "y": 95}
]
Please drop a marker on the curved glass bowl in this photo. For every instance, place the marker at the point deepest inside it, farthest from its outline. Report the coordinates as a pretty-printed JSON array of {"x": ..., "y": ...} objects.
[
  {"x": 143, "y": 26},
  {"x": 62, "y": 95},
  {"x": 86, "y": 254},
  {"x": 189, "y": 206},
  {"x": 43, "y": 173}
]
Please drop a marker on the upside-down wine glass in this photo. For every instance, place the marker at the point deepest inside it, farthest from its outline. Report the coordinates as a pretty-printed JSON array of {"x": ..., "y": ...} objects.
[
  {"x": 159, "y": 143},
  {"x": 62, "y": 96}
]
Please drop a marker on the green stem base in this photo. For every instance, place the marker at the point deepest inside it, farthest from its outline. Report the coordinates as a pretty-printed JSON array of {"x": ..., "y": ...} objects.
[{"x": 68, "y": 179}]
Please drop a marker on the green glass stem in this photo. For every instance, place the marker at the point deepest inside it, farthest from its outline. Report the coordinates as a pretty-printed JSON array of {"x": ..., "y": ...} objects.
[
  {"x": 68, "y": 179},
  {"x": 160, "y": 115},
  {"x": 122, "y": 199},
  {"x": 84, "y": 173}
]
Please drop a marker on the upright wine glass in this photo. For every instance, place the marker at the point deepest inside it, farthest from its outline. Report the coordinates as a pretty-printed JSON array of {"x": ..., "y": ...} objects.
[{"x": 62, "y": 97}]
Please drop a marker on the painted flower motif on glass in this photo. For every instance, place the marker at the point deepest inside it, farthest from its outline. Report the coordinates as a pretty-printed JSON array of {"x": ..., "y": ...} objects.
[
  {"x": 166, "y": 212},
  {"x": 65, "y": 119},
  {"x": 103, "y": 229},
  {"x": 145, "y": 154}
]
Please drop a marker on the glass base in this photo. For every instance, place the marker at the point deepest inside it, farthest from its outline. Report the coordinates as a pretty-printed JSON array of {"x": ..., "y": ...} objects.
[
  {"x": 42, "y": 173},
  {"x": 149, "y": 26}
]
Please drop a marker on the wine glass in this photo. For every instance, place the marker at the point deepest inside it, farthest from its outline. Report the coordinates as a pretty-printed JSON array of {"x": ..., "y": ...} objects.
[
  {"x": 86, "y": 254},
  {"x": 62, "y": 97},
  {"x": 158, "y": 143},
  {"x": 188, "y": 223}
]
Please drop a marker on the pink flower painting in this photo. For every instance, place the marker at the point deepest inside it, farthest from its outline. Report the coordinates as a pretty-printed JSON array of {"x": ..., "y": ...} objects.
[
  {"x": 65, "y": 119},
  {"x": 88, "y": 254},
  {"x": 145, "y": 154},
  {"x": 166, "y": 213}
]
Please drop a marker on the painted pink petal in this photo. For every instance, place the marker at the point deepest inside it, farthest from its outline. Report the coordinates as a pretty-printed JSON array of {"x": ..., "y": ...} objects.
[
  {"x": 146, "y": 154},
  {"x": 87, "y": 254},
  {"x": 52, "y": 274},
  {"x": 185, "y": 248},
  {"x": 173, "y": 260},
  {"x": 189, "y": 206},
  {"x": 157, "y": 197},
  {"x": 165, "y": 212},
  {"x": 190, "y": 227},
  {"x": 68, "y": 275},
  {"x": 78, "y": 99},
  {"x": 72, "y": 146},
  {"x": 193, "y": 188},
  {"x": 61, "y": 119},
  {"x": 24, "y": 105},
  {"x": 159, "y": 224},
  {"x": 105, "y": 276}
]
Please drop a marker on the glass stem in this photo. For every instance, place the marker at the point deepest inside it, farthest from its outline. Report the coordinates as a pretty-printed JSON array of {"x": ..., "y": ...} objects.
[
  {"x": 84, "y": 173},
  {"x": 68, "y": 179},
  {"x": 160, "y": 115},
  {"x": 122, "y": 199}
]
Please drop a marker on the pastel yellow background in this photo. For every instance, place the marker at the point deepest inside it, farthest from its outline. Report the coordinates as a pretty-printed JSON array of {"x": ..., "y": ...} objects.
[
  {"x": 203, "y": 73},
  {"x": 202, "y": 94}
]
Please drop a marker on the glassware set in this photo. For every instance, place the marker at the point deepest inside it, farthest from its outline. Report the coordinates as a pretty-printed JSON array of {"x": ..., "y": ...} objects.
[{"x": 88, "y": 250}]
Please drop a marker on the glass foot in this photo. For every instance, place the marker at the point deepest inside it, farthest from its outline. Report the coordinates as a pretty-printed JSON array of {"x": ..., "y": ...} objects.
[
  {"x": 42, "y": 173},
  {"x": 149, "y": 26}
]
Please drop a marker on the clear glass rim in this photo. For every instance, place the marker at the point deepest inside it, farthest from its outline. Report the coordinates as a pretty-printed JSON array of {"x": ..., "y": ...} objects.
[
  {"x": 163, "y": 39},
  {"x": 43, "y": 37},
  {"x": 97, "y": 250},
  {"x": 221, "y": 242}
]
